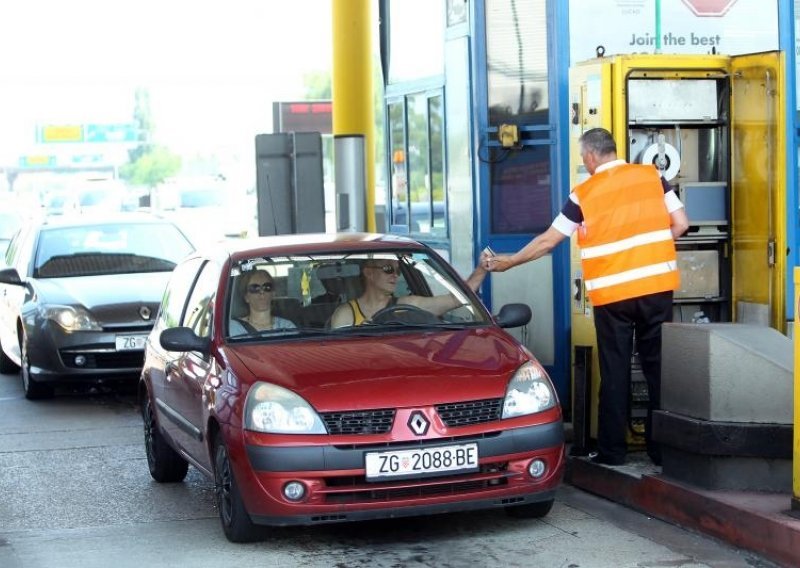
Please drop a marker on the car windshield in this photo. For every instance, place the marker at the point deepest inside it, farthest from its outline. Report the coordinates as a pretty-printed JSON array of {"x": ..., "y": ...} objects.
[
  {"x": 303, "y": 292},
  {"x": 119, "y": 248}
]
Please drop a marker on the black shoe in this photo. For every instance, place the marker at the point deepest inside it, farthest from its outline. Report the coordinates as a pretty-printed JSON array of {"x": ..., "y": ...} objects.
[{"x": 606, "y": 460}]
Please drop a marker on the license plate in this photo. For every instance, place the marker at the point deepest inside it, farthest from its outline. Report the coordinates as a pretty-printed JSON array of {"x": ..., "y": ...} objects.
[
  {"x": 130, "y": 342},
  {"x": 420, "y": 462}
]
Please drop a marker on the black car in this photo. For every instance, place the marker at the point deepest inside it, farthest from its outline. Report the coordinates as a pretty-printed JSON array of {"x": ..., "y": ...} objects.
[{"x": 78, "y": 298}]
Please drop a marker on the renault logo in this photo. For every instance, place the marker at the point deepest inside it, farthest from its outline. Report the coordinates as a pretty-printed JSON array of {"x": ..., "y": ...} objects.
[
  {"x": 145, "y": 312},
  {"x": 418, "y": 423}
]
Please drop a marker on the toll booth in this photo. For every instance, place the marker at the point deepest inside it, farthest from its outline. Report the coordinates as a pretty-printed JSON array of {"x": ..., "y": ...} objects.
[{"x": 712, "y": 124}]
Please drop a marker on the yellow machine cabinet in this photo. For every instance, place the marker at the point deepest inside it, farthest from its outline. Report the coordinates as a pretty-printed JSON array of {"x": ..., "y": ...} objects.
[{"x": 712, "y": 125}]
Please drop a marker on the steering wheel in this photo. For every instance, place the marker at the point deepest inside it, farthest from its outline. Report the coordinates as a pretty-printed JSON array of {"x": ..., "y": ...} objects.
[{"x": 403, "y": 313}]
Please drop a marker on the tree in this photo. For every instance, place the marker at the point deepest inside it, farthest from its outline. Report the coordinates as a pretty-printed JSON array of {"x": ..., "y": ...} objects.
[
  {"x": 318, "y": 85},
  {"x": 152, "y": 167},
  {"x": 148, "y": 165}
]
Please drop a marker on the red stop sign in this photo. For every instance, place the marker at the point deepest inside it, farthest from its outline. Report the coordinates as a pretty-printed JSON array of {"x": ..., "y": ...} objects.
[{"x": 709, "y": 7}]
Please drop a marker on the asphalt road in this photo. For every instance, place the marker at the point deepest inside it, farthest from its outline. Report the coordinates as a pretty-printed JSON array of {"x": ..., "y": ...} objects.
[{"x": 75, "y": 492}]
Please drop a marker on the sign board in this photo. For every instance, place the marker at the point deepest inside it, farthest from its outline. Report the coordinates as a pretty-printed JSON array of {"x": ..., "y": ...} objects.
[
  {"x": 38, "y": 161},
  {"x": 727, "y": 27},
  {"x": 713, "y": 8},
  {"x": 302, "y": 116},
  {"x": 60, "y": 133},
  {"x": 111, "y": 132}
]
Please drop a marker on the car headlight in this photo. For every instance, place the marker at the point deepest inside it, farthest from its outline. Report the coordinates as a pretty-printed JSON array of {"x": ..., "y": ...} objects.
[
  {"x": 72, "y": 318},
  {"x": 529, "y": 391},
  {"x": 276, "y": 410}
]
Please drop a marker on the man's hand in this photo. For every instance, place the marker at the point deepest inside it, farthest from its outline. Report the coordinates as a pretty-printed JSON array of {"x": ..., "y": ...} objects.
[{"x": 498, "y": 262}]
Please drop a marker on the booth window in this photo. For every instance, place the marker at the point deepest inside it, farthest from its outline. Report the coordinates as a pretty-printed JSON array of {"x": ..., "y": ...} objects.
[
  {"x": 416, "y": 39},
  {"x": 417, "y": 162},
  {"x": 517, "y": 83}
]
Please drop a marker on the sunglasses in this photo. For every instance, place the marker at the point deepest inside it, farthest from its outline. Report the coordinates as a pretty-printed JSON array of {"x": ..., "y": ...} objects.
[
  {"x": 386, "y": 268},
  {"x": 256, "y": 288}
]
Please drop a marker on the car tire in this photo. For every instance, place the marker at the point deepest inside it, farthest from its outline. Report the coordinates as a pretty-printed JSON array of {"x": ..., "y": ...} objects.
[
  {"x": 6, "y": 364},
  {"x": 164, "y": 463},
  {"x": 530, "y": 510},
  {"x": 236, "y": 522},
  {"x": 33, "y": 390}
]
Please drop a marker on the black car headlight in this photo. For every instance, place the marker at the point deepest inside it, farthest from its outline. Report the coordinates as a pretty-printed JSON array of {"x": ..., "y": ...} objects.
[
  {"x": 529, "y": 391},
  {"x": 276, "y": 410},
  {"x": 71, "y": 318}
]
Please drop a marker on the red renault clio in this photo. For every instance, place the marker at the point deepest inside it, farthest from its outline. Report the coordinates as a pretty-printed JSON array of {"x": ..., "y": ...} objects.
[{"x": 272, "y": 370}]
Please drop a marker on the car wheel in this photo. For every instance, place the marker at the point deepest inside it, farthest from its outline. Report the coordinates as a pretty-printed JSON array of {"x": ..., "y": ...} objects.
[
  {"x": 6, "y": 364},
  {"x": 235, "y": 520},
  {"x": 530, "y": 510},
  {"x": 165, "y": 464},
  {"x": 33, "y": 390}
]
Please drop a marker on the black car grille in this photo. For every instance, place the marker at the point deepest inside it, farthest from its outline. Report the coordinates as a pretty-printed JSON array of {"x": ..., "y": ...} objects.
[
  {"x": 359, "y": 421},
  {"x": 470, "y": 412},
  {"x": 104, "y": 360},
  {"x": 356, "y": 489},
  {"x": 380, "y": 421}
]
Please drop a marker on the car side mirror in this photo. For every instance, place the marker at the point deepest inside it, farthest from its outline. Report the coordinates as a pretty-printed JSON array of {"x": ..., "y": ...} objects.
[
  {"x": 183, "y": 339},
  {"x": 10, "y": 276},
  {"x": 514, "y": 315}
]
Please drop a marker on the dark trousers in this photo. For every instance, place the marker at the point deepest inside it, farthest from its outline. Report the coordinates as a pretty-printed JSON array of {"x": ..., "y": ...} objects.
[{"x": 615, "y": 324}]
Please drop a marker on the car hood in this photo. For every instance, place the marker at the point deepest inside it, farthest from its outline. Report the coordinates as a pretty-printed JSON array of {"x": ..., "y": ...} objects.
[
  {"x": 387, "y": 370},
  {"x": 112, "y": 298}
]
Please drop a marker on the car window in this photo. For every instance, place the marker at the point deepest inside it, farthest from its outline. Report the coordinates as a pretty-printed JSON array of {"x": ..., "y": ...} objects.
[
  {"x": 199, "y": 310},
  {"x": 116, "y": 248},
  {"x": 20, "y": 251},
  {"x": 306, "y": 290},
  {"x": 175, "y": 295}
]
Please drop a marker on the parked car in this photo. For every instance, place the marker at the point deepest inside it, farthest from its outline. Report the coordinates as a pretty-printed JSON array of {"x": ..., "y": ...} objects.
[
  {"x": 407, "y": 414},
  {"x": 79, "y": 297}
]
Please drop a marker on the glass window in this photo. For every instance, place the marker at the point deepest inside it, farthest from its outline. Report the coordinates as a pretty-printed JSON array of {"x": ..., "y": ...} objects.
[
  {"x": 175, "y": 295},
  {"x": 115, "y": 248},
  {"x": 416, "y": 39},
  {"x": 200, "y": 309},
  {"x": 437, "y": 179},
  {"x": 397, "y": 147},
  {"x": 418, "y": 177},
  {"x": 418, "y": 154},
  {"x": 308, "y": 289},
  {"x": 516, "y": 51},
  {"x": 521, "y": 186}
]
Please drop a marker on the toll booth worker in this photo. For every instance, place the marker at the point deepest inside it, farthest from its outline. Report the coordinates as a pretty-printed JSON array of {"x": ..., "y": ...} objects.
[{"x": 627, "y": 218}]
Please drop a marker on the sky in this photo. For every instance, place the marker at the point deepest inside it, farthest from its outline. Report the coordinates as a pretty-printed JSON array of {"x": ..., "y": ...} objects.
[{"x": 213, "y": 68}]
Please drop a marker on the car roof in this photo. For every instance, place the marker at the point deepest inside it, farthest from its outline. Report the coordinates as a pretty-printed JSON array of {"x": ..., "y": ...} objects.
[{"x": 318, "y": 243}]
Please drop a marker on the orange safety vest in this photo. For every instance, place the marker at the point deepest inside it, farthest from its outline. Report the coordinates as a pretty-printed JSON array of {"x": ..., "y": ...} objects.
[{"x": 627, "y": 248}]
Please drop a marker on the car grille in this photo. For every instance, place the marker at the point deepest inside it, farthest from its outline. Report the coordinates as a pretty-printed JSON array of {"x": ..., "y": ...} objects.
[
  {"x": 359, "y": 421},
  {"x": 380, "y": 421},
  {"x": 470, "y": 412},
  {"x": 104, "y": 360},
  {"x": 355, "y": 489}
]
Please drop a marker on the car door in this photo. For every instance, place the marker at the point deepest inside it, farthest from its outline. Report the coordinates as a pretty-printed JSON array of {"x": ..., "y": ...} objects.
[
  {"x": 18, "y": 256},
  {"x": 161, "y": 363},
  {"x": 190, "y": 371}
]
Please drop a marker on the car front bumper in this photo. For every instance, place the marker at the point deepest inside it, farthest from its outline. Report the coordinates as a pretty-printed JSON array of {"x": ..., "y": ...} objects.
[
  {"x": 56, "y": 356},
  {"x": 337, "y": 490}
]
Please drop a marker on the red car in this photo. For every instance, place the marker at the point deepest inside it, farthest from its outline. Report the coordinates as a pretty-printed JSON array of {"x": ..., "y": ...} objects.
[{"x": 261, "y": 373}]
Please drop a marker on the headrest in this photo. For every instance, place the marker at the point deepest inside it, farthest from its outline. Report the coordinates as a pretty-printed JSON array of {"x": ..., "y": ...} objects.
[{"x": 338, "y": 270}]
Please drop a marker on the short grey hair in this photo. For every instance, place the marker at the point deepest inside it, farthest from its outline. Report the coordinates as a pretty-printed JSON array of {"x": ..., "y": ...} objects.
[{"x": 598, "y": 141}]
